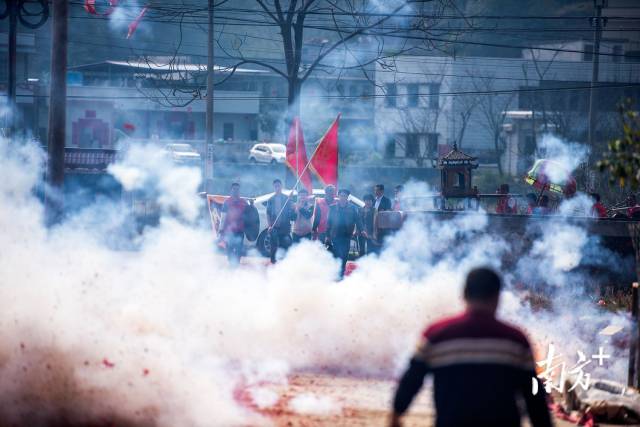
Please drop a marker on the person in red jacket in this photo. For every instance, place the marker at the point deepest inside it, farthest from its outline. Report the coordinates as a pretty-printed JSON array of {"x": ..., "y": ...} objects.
[
  {"x": 232, "y": 226},
  {"x": 481, "y": 366},
  {"x": 598, "y": 210},
  {"x": 506, "y": 203},
  {"x": 321, "y": 212}
]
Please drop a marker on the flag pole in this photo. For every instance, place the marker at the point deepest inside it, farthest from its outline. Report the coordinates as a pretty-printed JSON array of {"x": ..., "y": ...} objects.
[{"x": 315, "y": 150}]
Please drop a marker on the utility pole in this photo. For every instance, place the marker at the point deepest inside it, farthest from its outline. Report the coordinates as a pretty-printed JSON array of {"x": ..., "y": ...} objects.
[
  {"x": 598, "y": 22},
  {"x": 208, "y": 146},
  {"x": 12, "y": 5},
  {"x": 14, "y": 10},
  {"x": 57, "y": 112}
]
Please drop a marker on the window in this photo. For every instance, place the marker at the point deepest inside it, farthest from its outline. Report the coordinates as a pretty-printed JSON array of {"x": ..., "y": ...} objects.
[
  {"x": 587, "y": 55},
  {"x": 434, "y": 96},
  {"x": 412, "y": 145},
  {"x": 353, "y": 91},
  {"x": 392, "y": 92},
  {"x": 390, "y": 148},
  {"x": 617, "y": 53},
  {"x": 412, "y": 95},
  {"x": 227, "y": 131},
  {"x": 432, "y": 145}
]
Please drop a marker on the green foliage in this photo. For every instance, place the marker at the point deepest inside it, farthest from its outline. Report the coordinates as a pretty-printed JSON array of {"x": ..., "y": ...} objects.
[{"x": 622, "y": 159}]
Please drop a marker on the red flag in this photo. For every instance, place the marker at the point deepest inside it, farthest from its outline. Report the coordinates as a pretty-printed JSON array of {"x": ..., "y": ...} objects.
[
  {"x": 324, "y": 163},
  {"x": 297, "y": 154}
]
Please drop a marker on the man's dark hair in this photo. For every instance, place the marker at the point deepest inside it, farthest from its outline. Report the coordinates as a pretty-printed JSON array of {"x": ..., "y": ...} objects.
[
  {"x": 399, "y": 187},
  {"x": 368, "y": 197},
  {"x": 344, "y": 191},
  {"x": 235, "y": 184},
  {"x": 482, "y": 284},
  {"x": 595, "y": 196},
  {"x": 277, "y": 181},
  {"x": 380, "y": 187}
]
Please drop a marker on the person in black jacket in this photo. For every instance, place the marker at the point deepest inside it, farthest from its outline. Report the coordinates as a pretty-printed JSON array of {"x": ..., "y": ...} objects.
[
  {"x": 343, "y": 223},
  {"x": 480, "y": 366},
  {"x": 381, "y": 203},
  {"x": 279, "y": 216},
  {"x": 366, "y": 219}
]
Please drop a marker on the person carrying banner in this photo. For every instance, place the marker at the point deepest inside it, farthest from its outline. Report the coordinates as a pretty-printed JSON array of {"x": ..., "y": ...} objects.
[
  {"x": 279, "y": 215},
  {"x": 233, "y": 211}
]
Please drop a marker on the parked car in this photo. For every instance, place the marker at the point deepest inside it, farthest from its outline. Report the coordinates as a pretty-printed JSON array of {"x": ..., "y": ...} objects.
[
  {"x": 268, "y": 153},
  {"x": 183, "y": 154}
]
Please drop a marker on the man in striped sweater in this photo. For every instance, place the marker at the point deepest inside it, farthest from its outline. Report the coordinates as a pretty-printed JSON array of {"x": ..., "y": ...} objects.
[{"x": 481, "y": 366}]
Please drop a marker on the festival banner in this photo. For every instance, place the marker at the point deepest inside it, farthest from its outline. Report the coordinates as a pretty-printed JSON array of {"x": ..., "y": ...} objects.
[
  {"x": 324, "y": 163},
  {"x": 296, "y": 158}
]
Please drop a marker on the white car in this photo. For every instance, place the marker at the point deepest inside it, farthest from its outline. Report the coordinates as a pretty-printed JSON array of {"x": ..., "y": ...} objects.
[
  {"x": 268, "y": 153},
  {"x": 183, "y": 154}
]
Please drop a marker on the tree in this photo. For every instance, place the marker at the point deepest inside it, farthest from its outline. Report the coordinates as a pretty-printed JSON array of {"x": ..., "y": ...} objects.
[
  {"x": 492, "y": 108},
  {"x": 622, "y": 160},
  {"x": 329, "y": 37}
]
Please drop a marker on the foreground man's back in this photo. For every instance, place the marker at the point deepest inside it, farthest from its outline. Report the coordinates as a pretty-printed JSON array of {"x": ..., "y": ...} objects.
[{"x": 480, "y": 365}]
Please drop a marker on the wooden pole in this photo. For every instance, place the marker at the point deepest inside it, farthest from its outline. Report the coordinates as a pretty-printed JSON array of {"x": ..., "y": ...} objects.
[{"x": 57, "y": 112}]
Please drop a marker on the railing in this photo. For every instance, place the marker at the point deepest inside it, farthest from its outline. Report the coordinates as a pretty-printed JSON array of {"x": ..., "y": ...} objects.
[{"x": 88, "y": 159}]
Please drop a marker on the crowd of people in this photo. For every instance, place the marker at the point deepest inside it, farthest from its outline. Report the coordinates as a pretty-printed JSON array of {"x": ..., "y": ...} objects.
[
  {"x": 334, "y": 221},
  {"x": 331, "y": 219}
]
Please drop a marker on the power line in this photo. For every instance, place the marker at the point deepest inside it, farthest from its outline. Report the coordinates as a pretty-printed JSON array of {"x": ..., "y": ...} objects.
[{"x": 346, "y": 97}]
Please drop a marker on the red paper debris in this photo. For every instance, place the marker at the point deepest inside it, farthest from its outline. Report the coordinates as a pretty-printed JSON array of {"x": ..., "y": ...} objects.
[
  {"x": 107, "y": 363},
  {"x": 90, "y": 6},
  {"x": 134, "y": 25},
  {"x": 145, "y": 372}
]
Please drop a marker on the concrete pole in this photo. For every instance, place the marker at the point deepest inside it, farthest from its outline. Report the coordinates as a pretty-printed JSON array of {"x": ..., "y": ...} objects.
[
  {"x": 208, "y": 148},
  {"x": 13, "y": 42},
  {"x": 57, "y": 112},
  {"x": 599, "y": 4}
]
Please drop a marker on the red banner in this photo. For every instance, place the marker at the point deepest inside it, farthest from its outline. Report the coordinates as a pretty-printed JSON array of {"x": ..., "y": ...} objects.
[
  {"x": 297, "y": 154},
  {"x": 324, "y": 163}
]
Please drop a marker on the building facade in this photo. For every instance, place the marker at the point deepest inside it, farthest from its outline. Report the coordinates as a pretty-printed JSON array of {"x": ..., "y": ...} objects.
[{"x": 495, "y": 108}]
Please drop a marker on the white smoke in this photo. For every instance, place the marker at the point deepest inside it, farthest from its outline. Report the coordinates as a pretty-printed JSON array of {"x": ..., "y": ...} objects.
[{"x": 169, "y": 333}]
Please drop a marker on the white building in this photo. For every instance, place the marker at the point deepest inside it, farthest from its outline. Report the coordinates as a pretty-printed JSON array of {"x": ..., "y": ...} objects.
[{"x": 494, "y": 108}]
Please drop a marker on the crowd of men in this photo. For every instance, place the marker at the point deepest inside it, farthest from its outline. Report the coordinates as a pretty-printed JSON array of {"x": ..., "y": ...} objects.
[{"x": 332, "y": 220}]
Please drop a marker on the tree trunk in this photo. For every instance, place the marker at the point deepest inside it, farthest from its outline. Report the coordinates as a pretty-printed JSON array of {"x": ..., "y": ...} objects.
[
  {"x": 496, "y": 145},
  {"x": 293, "y": 99},
  {"x": 293, "y": 111}
]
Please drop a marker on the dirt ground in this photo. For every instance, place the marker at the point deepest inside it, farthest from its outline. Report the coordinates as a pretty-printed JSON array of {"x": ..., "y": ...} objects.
[
  {"x": 332, "y": 401},
  {"x": 335, "y": 401}
]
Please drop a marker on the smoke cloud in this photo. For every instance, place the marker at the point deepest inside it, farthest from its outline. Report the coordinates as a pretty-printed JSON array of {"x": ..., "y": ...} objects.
[{"x": 166, "y": 333}]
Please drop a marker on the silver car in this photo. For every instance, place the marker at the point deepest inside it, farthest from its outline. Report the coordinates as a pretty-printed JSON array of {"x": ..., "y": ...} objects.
[{"x": 268, "y": 153}]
